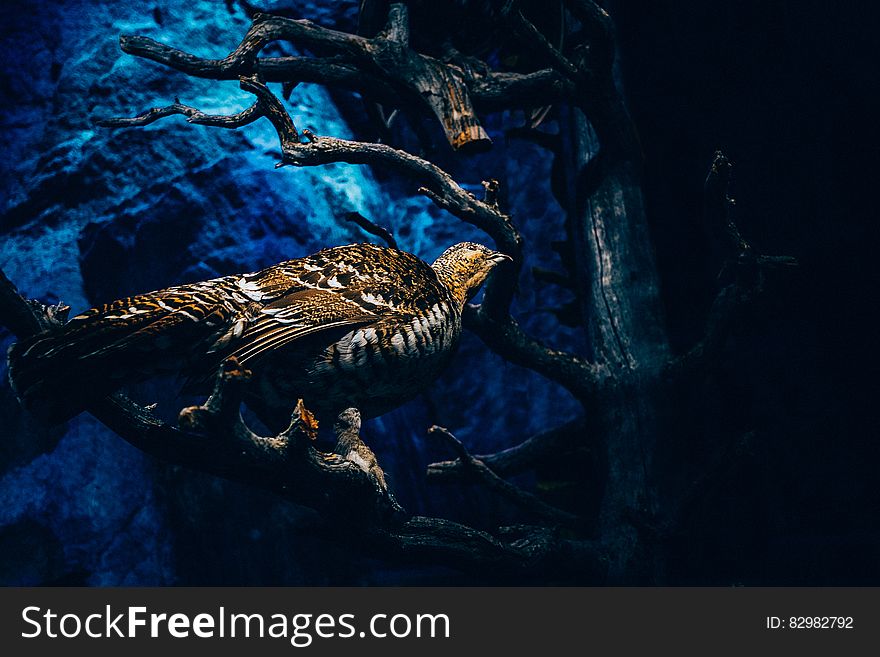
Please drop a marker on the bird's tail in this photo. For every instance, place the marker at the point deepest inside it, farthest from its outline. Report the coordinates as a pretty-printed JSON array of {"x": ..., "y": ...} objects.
[
  {"x": 55, "y": 387},
  {"x": 58, "y": 374}
]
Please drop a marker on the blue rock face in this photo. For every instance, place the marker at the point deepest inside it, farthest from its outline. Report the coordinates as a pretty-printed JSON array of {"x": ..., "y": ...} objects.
[{"x": 91, "y": 214}]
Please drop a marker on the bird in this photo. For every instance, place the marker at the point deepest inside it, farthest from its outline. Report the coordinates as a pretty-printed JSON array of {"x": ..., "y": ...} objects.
[{"x": 355, "y": 326}]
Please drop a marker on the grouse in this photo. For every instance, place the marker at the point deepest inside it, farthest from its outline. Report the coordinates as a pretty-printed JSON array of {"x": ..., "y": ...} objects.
[{"x": 350, "y": 326}]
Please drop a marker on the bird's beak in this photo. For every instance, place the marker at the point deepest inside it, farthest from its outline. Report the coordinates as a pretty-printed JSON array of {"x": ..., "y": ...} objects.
[{"x": 498, "y": 257}]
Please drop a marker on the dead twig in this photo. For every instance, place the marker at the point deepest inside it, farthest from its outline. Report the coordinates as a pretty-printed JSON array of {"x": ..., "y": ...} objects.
[{"x": 474, "y": 469}]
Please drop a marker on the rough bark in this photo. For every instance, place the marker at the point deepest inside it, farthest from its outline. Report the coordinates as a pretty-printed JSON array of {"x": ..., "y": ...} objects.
[
  {"x": 621, "y": 308},
  {"x": 384, "y": 67}
]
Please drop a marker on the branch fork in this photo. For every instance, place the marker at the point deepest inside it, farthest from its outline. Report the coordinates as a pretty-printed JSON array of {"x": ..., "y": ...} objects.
[
  {"x": 475, "y": 470},
  {"x": 741, "y": 266}
]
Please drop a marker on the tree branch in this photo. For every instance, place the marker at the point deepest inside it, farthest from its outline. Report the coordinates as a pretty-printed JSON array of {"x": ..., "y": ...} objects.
[
  {"x": 716, "y": 207},
  {"x": 26, "y": 317},
  {"x": 747, "y": 268},
  {"x": 532, "y": 38},
  {"x": 198, "y": 117},
  {"x": 384, "y": 66},
  {"x": 241, "y": 61},
  {"x": 516, "y": 459},
  {"x": 397, "y": 27},
  {"x": 475, "y": 470},
  {"x": 505, "y": 337},
  {"x": 368, "y": 226},
  {"x": 598, "y": 28}
]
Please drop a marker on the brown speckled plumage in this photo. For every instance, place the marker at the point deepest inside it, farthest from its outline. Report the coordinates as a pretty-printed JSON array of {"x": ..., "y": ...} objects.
[{"x": 351, "y": 326}]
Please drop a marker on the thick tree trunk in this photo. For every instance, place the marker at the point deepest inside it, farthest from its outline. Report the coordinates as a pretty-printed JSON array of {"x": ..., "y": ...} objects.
[
  {"x": 622, "y": 312},
  {"x": 613, "y": 251}
]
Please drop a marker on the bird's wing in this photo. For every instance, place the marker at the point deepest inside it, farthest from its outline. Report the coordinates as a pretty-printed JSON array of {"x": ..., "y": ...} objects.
[
  {"x": 296, "y": 315},
  {"x": 378, "y": 279}
]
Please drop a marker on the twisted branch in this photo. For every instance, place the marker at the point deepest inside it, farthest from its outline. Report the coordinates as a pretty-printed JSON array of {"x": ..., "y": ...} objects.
[
  {"x": 474, "y": 469},
  {"x": 516, "y": 459},
  {"x": 383, "y": 67},
  {"x": 505, "y": 337},
  {"x": 532, "y": 37},
  {"x": 196, "y": 116},
  {"x": 747, "y": 268},
  {"x": 493, "y": 91},
  {"x": 368, "y": 226}
]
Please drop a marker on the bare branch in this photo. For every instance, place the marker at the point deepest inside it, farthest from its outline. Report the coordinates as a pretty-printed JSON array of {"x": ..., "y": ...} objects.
[
  {"x": 26, "y": 317},
  {"x": 520, "y": 457},
  {"x": 506, "y": 338},
  {"x": 346, "y": 65},
  {"x": 284, "y": 126},
  {"x": 473, "y": 469},
  {"x": 196, "y": 116},
  {"x": 241, "y": 61},
  {"x": 335, "y": 71},
  {"x": 591, "y": 15},
  {"x": 272, "y": 109},
  {"x": 490, "y": 198},
  {"x": 519, "y": 551},
  {"x": 382, "y": 233},
  {"x": 716, "y": 206},
  {"x": 384, "y": 66},
  {"x": 746, "y": 266},
  {"x": 532, "y": 38},
  {"x": 728, "y": 304},
  {"x": 599, "y": 29},
  {"x": 444, "y": 190}
]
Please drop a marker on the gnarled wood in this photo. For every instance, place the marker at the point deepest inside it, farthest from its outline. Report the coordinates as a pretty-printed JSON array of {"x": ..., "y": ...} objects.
[{"x": 385, "y": 67}]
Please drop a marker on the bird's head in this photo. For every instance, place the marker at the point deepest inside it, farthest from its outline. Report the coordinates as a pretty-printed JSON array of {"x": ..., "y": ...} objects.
[{"x": 464, "y": 266}]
